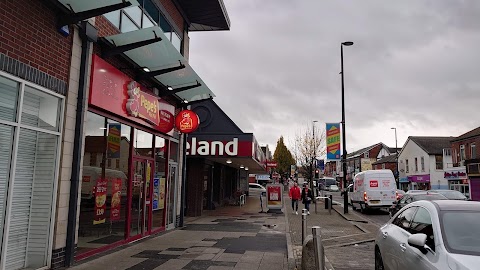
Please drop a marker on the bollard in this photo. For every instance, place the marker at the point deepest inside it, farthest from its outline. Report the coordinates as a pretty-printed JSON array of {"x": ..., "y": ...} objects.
[
  {"x": 318, "y": 247},
  {"x": 304, "y": 225},
  {"x": 326, "y": 202}
]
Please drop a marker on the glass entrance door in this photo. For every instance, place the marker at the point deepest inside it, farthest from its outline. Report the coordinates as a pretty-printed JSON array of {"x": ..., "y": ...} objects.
[
  {"x": 141, "y": 197},
  {"x": 171, "y": 188}
]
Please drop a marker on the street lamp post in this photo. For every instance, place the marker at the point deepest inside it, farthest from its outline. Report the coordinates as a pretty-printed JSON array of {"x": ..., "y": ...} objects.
[
  {"x": 344, "y": 156},
  {"x": 314, "y": 156},
  {"x": 397, "y": 174},
  {"x": 313, "y": 162}
]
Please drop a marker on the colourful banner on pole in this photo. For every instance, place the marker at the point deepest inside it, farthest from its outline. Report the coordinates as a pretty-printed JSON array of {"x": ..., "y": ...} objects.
[
  {"x": 333, "y": 141},
  {"x": 113, "y": 140}
]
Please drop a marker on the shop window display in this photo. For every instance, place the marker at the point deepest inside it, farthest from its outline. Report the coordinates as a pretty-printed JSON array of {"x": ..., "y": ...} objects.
[
  {"x": 159, "y": 185},
  {"x": 104, "y": 184}
]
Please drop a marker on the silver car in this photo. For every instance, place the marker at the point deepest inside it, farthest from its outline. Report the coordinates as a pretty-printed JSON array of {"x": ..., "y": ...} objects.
[{"x": 441, "y": 234}]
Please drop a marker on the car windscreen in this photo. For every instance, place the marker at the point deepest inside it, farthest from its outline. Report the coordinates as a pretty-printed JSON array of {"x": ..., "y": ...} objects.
[
  {"x": 428, "y": 197},
  {"x": 461, "y": 232},
  {"x": 329, "y": 182}
]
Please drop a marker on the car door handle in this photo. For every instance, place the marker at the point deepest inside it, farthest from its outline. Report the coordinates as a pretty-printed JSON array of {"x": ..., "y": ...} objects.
[
  {"x": 385, "y": 235},
  {"x": 403, "y": 247}
]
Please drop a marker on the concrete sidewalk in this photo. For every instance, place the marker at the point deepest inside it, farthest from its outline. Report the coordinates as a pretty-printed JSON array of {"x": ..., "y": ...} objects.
[
  {"x": 347, "y": 238},
  {"x": 227, "y": 238}
]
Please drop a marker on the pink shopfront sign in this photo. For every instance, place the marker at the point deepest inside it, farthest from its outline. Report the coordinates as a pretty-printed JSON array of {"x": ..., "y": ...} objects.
[{"x": 419, "y": 178}]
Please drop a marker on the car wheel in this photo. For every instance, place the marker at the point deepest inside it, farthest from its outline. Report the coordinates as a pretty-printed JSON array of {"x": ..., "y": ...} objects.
[{"x": 378, "y": 260}]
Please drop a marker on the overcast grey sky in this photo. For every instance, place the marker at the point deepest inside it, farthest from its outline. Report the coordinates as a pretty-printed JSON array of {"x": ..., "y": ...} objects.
[{"x": 415, "y": 65}]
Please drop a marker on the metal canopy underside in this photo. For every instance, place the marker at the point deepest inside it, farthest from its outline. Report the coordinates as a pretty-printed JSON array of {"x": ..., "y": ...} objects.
[
  {"x": 85, "y": 5},
  {"x": 248, "y": 162},
  {"x": 162, "y": 55},
  {"x": 206, "y": 15},
  {"x": 85, "y": 9}
]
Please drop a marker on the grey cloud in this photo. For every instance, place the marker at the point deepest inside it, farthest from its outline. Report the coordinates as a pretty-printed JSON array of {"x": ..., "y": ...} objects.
[{"x": 414, "y": 65}]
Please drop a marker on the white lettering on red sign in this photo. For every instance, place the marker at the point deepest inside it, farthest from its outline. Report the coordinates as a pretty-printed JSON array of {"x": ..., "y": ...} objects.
[
  {"x": 213, "y": 148},
  {"x": 373, "y": 183}
]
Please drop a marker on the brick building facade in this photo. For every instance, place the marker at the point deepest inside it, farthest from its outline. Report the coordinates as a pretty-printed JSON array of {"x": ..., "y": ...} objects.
[{"x": 45, "y": 73}]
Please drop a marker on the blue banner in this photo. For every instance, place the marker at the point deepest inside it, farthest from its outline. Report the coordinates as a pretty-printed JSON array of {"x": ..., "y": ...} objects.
[{"x": 321, "y": 164}]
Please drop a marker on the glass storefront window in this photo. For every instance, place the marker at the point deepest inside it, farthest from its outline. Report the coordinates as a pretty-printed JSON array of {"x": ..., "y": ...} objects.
[
  {"x": 6, "y": 133},
  {"x": 40, "y": 109},
  {"x": 28, "y": 173},
  {"x": 36, "y": 157},
  {"x": 127, "y": 25},
  {"x": 173, "y": 151},
  {"x": 8, "y": 99},
  {"x": 143, "y": 144},
  {"x": 104, "y": 183},
  {"x": 114, "y": 17},
  {"x": 135, "y": 13},
  {"x": 159, "y": 185},
  {"x": 176, "y": 41}
]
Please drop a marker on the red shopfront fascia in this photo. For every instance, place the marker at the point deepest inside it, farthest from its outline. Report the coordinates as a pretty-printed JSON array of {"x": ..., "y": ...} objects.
[
  {"x": 224, "y": 146},
  {"x": 113, "y": 92}
]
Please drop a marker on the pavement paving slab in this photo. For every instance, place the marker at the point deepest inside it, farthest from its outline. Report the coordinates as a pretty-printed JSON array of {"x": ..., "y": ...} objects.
[
  {"x": 228, "y": 238},
  {"x": 347, "y": 238}
]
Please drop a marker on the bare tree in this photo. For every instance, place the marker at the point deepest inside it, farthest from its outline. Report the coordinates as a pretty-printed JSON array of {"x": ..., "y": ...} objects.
[{"x": 308, "y": 147}]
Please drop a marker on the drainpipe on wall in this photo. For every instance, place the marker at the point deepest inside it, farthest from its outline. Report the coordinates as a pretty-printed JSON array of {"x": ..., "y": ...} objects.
[
  {"x": 88, "y": 34},
  {"x": 184, "y": 180}
]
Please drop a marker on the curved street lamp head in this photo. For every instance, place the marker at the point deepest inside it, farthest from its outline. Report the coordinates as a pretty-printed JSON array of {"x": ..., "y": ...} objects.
[{"x": 347, "y": 43}]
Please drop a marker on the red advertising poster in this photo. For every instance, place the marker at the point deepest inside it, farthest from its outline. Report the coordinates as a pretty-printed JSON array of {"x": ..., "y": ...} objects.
[
  {"x": 116, "y": 199},
  {"x": 274, "y": 196},
  {"x": 100, "y": 201}
]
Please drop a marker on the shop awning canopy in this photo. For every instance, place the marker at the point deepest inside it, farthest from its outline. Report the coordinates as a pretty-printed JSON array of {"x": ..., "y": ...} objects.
[
  {"x": 84, "y": 9},
  {"x": 206, "y": 15},
  {"x": 150, "y": 48},
  {"x": 249, "y": 163}
]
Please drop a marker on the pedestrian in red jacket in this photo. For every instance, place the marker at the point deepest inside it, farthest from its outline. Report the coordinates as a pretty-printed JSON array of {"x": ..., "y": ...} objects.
[{"x": 295, "y": 195}]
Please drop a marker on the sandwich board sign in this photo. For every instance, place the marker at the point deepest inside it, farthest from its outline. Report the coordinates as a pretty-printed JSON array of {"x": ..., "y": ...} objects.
[{"x": 274, "y": 196}]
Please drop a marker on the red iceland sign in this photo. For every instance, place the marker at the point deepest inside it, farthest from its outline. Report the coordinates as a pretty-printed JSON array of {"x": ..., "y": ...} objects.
[{"x": 187, "y": 121}]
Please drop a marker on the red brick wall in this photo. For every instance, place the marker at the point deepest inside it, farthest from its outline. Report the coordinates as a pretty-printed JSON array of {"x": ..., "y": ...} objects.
[
  {"x": 467, "y": 143},
  {"x": 389, "y": 165},
  {"x": 373, "y": 153},
  {"x": 173, "y": 12},
  {"x": 105, "y": 28},
  {"x": 28, "y": 34}
]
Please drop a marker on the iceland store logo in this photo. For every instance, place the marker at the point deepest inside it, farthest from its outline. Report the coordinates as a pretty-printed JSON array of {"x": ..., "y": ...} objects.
[{"x": 213, "y": 148}]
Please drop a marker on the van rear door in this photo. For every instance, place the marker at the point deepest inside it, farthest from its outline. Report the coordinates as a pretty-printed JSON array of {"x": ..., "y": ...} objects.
[{"x": 380, "y": 191}]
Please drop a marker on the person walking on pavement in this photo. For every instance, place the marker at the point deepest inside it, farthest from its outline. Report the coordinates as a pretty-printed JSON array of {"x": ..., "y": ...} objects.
[
  {"x": 295, "y": 196},
  {"x": 307, "y": 197}
]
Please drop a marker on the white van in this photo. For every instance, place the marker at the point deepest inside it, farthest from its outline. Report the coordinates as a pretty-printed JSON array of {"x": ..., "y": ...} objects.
[{"x": 373, "y": 189}]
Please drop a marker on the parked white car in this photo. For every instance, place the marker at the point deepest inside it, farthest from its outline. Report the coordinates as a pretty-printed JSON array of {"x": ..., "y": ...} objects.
[
  {"x": 255, "y": 189},
  {"x": 443, "y": 234}
]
